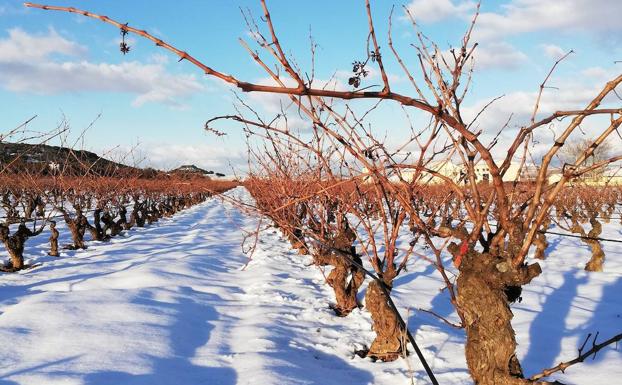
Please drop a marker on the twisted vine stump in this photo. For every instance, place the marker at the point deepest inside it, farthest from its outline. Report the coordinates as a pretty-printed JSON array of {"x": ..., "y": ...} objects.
[
  {"x": 597, "y": 260},
  {"x": 540, "y": 241},
  {"x": 122, "y": 222},
  {"x": 15, "y": 244},
  {"x": 110, "y": 226},
  {"x": 96, "y": 230},
  {"x": 53, "y": 240},
  {"x": 77, "y": 226},
  {"x": 346, "y": 277},
  {"x": 598, "y": 255},
  {"x": 390, "y": 340},
  {"x": 485, "y": 287}
]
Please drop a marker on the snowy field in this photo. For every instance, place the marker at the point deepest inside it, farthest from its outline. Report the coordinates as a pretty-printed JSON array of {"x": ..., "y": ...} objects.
[{"x": 173, "y": 303}]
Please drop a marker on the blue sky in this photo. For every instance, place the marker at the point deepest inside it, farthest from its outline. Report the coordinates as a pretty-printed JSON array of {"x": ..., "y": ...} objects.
[{"x": 57, "y": 64}]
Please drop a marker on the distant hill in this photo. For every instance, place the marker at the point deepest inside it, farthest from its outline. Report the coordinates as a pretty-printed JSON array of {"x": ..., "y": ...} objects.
[
  {"x": 43, "y": 159},
  {"x": 190, "y": 170}
]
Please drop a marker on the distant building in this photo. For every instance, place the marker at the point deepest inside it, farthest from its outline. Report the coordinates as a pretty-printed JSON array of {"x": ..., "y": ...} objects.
[
  {"x": 455, "y": 172},
  {"x": 610, "y": 177},
  {"x": 54, "y": 167}
]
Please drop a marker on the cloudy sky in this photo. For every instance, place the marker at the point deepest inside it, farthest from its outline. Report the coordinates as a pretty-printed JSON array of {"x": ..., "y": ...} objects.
[{"x": 57, "y": 65}]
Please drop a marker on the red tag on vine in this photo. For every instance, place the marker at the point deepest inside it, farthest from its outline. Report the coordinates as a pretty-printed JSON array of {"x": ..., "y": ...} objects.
[{"x": 464, "y": 247}]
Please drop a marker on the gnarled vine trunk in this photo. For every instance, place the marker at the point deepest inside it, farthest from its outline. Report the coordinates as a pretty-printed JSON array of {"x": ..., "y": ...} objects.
[
  {"x": 53, "y": 240},
  {"x": 485, "y": 287},
  {"x": 598, "y": 255},
  {"x": 77, "y": 228},
  {"x": 540, "y": 241},
  {"x": 97, "y": 233},
  {"x": 16, "y": 251},
  {"x": 390, "y": 341},
  {"x": 15, "y": 243},
  {"x": 346, "y": 277},
  {"x": 122, "y": 222}
]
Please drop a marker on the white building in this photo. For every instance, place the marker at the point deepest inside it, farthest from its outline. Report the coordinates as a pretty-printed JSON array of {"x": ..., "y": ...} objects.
[
  {"x": 54, "y": 167},
  {"x": 610, "y": 177},
  {"x": 456, "y": 172}
]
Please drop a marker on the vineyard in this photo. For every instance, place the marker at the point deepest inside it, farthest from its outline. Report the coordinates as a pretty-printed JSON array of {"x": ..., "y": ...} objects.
[
  {"x": 41, "y": 201},
  {"x": 455, "y": 251},
  {"x": 187, "y": 271}
]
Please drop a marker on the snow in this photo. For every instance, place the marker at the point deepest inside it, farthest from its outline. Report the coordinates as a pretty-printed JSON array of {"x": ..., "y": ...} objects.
[{"x": 178, "y": 302}]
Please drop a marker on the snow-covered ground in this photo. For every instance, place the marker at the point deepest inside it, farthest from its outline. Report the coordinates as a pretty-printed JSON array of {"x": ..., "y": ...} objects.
[{"x": 173, "y": 303}]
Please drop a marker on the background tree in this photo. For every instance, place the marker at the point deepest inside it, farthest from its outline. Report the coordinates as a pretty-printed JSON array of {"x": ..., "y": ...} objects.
[{"x": 574, "y": 148}]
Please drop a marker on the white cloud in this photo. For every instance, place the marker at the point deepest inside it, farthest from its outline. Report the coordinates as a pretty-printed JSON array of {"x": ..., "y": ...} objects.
[
  {"x": 574, "y": 94},
  {"x": 552, "y": 51},
  {"x": 498, "y": 55},
  {"x": 150, "y": 82},
  {"x": 21, "y": 47},
  {"x": 210, "y": 157},
  {"x": 159, "y": 58},
  {"x": 274, "y": 104},
  {"x": 520, "y": 104},
  {"x": 494, "y": 55},
  {"x": 510, "y": 18},
  {"x": 28, "y": 64},
  {"x": 600, "y": 75},
  {"x": 520, "y": 16},
  {"x": 436, "y": 10}
]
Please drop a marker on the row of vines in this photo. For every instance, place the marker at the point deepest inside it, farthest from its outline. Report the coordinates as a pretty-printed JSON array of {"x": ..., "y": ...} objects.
[
  {"x": 103, "y": 207},
  {"x": 335, "y": 225}
]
